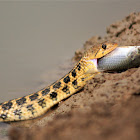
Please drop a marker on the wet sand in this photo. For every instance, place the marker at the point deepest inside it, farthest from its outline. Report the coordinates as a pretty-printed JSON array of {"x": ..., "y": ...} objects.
[{"x": 107, "y": 107}]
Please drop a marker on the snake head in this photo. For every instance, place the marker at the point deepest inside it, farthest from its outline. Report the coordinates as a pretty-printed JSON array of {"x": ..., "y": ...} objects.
[
  {"x": 92, "y": 55},
  {"x": 99, "y": 50}
]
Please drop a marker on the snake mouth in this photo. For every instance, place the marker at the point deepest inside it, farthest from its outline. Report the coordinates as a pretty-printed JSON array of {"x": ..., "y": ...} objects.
[{"x": 96, "y": 62}]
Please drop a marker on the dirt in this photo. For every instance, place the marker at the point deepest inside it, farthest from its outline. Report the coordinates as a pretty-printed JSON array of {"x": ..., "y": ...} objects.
[{"x": 106, "y": 108}]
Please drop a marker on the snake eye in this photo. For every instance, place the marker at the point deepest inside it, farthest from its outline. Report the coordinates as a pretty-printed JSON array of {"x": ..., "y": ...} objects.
[{"x": 104, "y": 46}]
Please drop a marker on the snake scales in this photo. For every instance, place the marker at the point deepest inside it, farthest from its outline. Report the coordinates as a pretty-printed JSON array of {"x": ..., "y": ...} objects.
[{"x": 36, "y": 104}]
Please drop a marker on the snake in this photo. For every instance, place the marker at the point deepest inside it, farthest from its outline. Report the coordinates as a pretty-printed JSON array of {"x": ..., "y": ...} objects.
[{"x": 36, "y": 104}]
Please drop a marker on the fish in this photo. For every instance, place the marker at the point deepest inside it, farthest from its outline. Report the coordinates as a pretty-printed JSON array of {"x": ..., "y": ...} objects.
[{"x": 122, "y": 58}]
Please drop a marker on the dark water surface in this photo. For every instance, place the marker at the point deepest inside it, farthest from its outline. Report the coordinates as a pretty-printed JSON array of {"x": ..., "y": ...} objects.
[{"x": 36, "y": 37}]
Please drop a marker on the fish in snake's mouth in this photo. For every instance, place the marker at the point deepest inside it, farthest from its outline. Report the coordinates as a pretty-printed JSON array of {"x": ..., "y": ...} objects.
[{"x": 119, "y": 59}]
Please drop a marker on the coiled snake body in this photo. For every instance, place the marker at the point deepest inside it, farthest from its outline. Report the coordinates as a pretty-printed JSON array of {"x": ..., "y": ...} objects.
[{"x": 36, "y": 104}]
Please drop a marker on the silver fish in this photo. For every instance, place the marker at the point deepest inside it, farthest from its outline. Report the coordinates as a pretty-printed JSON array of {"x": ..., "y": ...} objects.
[{"x": 121, "y": 58}]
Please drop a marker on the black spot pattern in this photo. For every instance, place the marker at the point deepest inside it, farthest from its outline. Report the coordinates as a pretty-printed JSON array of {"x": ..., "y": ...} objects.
[
  {"x": 53, "y": 95},
  {"x": 75, "y": 84},
  {"x": 82, "y": 79},
  {"x": 57, "y": 85},
  {"x": 17, "y": 112},
  {"x": 79, "y": 66},
  {"x": 46, "y": 91},
  {"x": 42, "y": 103},
  {"x": 34, "y": 97},
  {"x": 21, "y": 101},
  {"x": 73, "y": 73},
  {"x": 67, "y": 79},
  {"x": 7, "y": 105},
  {"x": 66, "y": 90},
  {"x": 3, "y": 116},
  {"x": 30, "y": 108}
]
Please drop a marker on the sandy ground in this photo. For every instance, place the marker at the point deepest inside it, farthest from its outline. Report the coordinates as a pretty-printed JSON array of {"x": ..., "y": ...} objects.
[{"x": 106, "y": 108}]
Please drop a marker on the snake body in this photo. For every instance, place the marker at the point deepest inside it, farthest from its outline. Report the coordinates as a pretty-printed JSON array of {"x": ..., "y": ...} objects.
[{"x": 36, "y": 104}]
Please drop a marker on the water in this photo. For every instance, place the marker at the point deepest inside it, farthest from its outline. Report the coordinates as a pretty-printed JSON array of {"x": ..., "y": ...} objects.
[{"x": 36, "y": 37}]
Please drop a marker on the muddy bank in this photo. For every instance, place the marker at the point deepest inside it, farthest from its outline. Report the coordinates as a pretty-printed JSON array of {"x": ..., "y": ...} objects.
[{"x": 107, "y": 107}]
